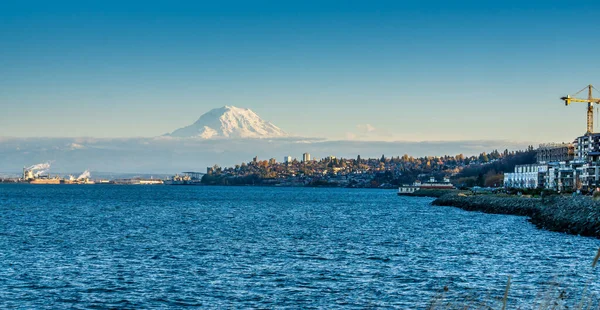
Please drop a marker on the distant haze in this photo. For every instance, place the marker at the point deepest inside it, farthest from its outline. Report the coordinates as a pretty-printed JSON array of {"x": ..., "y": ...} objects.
[
  {"x": 172, "y": 155},
  {"x": 223, "y": 136}
]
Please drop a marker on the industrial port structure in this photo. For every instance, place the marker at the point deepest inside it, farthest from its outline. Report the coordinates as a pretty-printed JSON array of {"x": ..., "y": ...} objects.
[{"x": 38, "y": 174}]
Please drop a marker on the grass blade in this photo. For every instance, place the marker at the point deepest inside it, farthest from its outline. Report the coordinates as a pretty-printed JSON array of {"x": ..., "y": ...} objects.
[
  {"x": 596, "y": 259},
  {"x": 505, "y": 299}
]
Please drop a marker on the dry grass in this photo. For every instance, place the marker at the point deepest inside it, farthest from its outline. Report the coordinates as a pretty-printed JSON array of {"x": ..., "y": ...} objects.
[{"x": 552, "y": 297}]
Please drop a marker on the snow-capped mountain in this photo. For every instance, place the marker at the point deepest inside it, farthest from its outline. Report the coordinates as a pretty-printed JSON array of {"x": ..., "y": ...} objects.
[{"x": 230, "y": 122}]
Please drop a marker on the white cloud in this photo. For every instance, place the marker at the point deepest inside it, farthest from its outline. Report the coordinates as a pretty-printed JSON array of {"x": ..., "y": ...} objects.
[
  {"x": 76, "y": 146},
  {"x": 366, "y": 127},
  {"x": 368, "y": 132},
  {"x": 171, "y": 156}
]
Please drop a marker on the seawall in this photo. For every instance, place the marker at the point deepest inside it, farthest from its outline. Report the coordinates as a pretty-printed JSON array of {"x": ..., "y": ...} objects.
[{"x": 574, "y": 215}]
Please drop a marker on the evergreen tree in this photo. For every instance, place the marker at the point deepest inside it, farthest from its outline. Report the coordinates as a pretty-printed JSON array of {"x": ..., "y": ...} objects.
[
  {"x": 483, "y": 157},
  {"x": 480, "y": 180}
]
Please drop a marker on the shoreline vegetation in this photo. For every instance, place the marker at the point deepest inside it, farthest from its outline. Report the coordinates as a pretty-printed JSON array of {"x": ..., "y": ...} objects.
[
  {"x": 576, "y": 215},
  {"x": 553, "y": 295}
]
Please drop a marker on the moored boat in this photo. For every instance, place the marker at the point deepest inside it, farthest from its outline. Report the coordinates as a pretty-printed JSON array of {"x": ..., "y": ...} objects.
[{"x": 431, "y": 184}]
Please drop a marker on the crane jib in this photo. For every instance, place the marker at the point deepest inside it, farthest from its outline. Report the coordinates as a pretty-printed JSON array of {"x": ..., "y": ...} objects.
[{"x": 590, "y": 100}]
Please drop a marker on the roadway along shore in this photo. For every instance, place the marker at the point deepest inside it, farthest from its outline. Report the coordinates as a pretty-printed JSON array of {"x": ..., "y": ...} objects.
[{"x": 579, "y": 215}]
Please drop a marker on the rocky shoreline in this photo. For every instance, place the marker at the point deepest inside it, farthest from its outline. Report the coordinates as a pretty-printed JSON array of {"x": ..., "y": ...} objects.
[{"x": 578, "y": 215}]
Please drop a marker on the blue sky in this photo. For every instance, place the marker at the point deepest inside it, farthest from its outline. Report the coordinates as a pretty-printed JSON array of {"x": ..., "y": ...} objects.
[{"x": 369, "y": 70}]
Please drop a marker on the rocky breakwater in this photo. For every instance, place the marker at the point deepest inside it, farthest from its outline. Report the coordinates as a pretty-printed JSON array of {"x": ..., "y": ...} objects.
[
  {"x": 577, "y": 215},
  {"x": 433, "y": 193}
]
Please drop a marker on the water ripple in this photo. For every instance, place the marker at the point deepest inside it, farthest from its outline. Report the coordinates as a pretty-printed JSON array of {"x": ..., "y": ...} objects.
[{"x": 133, "y": 247}]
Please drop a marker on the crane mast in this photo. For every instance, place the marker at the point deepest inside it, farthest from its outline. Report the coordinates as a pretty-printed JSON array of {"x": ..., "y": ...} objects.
[{"x": 590, "y": 111}]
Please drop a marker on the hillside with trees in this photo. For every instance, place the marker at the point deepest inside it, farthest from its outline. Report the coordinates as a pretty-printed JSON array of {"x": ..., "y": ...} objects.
[{"x": 486, "y": 169}]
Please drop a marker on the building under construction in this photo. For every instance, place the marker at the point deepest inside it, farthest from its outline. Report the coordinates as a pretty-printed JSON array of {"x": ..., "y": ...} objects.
[
  {"x": 553, "y": 152},
  {"x": 564, "y": 167}
]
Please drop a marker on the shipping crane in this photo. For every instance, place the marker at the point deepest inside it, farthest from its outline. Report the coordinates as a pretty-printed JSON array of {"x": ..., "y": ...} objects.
[{"x": 590, "y": 110}]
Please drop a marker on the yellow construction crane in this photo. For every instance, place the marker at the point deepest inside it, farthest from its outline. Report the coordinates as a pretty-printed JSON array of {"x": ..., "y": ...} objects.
[{"x": 590, "y": 110}]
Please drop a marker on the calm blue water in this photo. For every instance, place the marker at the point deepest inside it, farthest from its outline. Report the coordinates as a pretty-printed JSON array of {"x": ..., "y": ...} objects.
[{"x": 238, "y": 247}]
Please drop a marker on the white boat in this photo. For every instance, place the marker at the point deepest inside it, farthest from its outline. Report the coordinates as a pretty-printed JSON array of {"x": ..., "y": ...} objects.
[{"x": 431, "y": 184}]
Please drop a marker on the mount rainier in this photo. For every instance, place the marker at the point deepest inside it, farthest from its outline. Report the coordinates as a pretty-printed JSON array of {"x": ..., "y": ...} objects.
[{"x": 229, "y": 122}]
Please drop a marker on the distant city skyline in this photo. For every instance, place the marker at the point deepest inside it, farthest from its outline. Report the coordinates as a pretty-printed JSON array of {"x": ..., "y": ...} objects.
[{"x": 369, "y": 71}]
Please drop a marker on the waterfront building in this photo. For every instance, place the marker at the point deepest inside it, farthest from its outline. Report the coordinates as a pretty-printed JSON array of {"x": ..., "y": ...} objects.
[
  {"x": 287, "y": 159},
  {"x": 581, "y": 172},
  {"x": 306, "y": 157},
  {"x": 587, "y": 147},
  {"x": 555, "y": 152},
  {"x": 557, "y": 176},
  {"x": 193, "y": 175},
  {"x": 560, "y": 176},
  {"x": 526, "y": 176},
  {"x": 272, "y": 161},
  {"x": 561, "y": 167},
  {"x": 586, "y": 174}
]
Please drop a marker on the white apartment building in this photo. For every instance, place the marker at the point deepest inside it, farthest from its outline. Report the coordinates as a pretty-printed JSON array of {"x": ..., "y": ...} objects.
[
  {"x": 526, "y": 176},
  {"x": 588, "y": 147}
]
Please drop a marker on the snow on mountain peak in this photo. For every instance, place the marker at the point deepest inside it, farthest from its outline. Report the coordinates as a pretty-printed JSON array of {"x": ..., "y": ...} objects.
[{"x": 230, "y": 122}]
